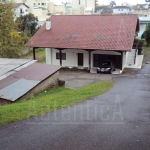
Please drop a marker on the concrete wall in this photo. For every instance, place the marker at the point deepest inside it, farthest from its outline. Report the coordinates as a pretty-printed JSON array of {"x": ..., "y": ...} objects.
[
  {"x": 138, "y": 61},
  {"x": 4, "y": 102},
  {"x": 124, "y": 60},
  {"x": 50, "y": 82},
  {"x": 47, "y": 83}
]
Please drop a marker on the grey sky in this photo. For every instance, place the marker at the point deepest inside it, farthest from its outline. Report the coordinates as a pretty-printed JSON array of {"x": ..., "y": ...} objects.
[{"x": 106, "y": 2}]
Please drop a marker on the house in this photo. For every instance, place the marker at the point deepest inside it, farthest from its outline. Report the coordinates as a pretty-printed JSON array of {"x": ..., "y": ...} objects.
[
  {"x": 144, "y": 21},
  {"x": 20, "y": 9},
  {"x": 122, "y": 10},
  {"x": 141, "y": 10},
  {"x": 84, "y": 41}
]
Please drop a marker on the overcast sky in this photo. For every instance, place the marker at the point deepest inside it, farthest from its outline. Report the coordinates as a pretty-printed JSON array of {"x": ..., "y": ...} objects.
[{"x": 106, "y": 2}]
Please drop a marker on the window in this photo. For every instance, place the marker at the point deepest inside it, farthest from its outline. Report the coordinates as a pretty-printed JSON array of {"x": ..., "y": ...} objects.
[
  {"x": 63, "y": 56},
  {"x": 21, "y": 11},
  {"x": 43, "y": 3},
  {"x": 38, "y": 3},
  {"x": 119, "y": 9}
]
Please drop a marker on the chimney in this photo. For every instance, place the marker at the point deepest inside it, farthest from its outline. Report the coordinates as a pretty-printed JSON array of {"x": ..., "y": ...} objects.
[{"x": 48, "y": 24}]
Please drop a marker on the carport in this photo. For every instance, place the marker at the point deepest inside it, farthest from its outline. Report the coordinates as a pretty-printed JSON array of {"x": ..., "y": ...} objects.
[{"x": 117, "y": 59}]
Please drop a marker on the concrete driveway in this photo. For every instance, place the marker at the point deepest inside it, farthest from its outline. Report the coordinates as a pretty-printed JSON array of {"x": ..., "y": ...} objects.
[
  {"x": 77, "y": 79},
  {"x": 117, "y": 120}
]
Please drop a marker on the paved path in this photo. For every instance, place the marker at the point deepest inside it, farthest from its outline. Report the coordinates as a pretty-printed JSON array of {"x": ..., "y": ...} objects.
[
  {"x": 117, "y": 120},
  {"x": 77, "y": 79}
]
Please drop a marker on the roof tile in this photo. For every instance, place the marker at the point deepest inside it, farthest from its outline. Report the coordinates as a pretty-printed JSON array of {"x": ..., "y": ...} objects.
[{"x": 118, "y": 30}]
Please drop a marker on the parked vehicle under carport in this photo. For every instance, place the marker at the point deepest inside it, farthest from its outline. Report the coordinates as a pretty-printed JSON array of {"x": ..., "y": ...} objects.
[{"x": 106, "y": 66}]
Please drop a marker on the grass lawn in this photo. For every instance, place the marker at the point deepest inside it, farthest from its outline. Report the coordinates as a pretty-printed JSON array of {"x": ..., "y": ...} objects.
[
  {"x": 40, "y": 55},
  {"x": 53, "y": 99},
  {"x": 146, "y": 51}
]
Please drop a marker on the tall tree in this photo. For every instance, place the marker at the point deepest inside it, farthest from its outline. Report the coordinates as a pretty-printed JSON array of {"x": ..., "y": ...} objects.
[
  {"x": 28, "y": 23},
  {"x": 10, "y": 41}
]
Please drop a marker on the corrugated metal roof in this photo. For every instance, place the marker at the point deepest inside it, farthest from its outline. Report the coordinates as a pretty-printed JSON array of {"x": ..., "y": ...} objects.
[
  {"x": 7, "y": 81},
  {"x": 9, "y": 66},
  {"x": 17, "y": 89},
  {"x": 19, "y": 83},
  {"x": 36, "y": 71}
]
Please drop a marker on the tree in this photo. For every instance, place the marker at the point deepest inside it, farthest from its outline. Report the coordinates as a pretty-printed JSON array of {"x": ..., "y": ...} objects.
[
  {"x": 96, "y": 5},
  {"x": 146, "y": 34},
  {"x": 27, "y": 23},
  {"x": 112, "y": 3},
  {"x": 10, "y": 41}
]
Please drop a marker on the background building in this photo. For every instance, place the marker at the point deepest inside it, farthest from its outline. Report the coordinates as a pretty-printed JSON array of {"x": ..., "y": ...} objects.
[
  {"x": 89, "y": 5},
  {"x": 122, "y": 10},
  {"x": 20, "y": 9}
]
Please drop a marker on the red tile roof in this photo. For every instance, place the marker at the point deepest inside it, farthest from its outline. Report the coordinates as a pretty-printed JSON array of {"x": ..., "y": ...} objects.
[{"x": 99, "y": 32}]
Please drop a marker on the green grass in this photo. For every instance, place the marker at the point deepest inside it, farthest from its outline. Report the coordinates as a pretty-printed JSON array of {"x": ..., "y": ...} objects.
[
  {"x": 53, "y": 99},
  {"x": 40, "y": 55},
  {"x": 146, "y": 51}
]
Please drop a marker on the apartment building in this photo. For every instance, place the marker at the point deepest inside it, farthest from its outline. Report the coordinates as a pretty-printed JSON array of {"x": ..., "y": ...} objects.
[{"x": 89, "y": 5}]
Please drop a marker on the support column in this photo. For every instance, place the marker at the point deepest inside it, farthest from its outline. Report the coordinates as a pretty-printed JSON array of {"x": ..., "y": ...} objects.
[
  {"x": 48, "y": 56},
  {"x": 121, "y": 60},
  {"x": 89, "y": 60},
  {"x": 34, "y": 57},
  {"x": 60, "y": 53}
]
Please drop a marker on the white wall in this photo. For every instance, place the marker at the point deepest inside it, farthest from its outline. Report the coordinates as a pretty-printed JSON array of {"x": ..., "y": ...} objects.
[
  {"x": 138, "y": 61},
  {"x": 142, "y": 29},
  {"x": 122, "y": 11},
  {"x": 124, "y": 60},
  {"x": 25, "y": 11},
  {"x": 72, "y": 57}
]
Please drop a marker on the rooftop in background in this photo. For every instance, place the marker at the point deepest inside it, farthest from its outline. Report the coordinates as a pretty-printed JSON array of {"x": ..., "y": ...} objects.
[
  {"x": 121, "y": 7},
  {"x": 19, "y": 4},
  {"x": 118, "y": 30}
]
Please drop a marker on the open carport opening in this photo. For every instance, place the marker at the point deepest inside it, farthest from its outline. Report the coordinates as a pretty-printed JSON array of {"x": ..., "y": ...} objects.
[{"x": 117, "y": 59}]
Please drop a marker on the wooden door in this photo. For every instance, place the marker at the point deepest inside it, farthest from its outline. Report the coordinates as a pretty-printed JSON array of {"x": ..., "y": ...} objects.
[{"x": 80, "y": 59}]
